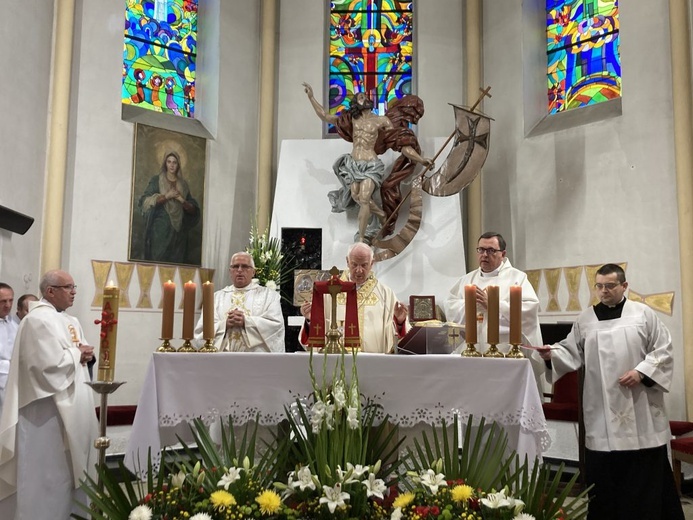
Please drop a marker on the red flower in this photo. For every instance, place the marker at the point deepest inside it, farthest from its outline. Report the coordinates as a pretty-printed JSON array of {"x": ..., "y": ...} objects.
[{"x": 435, "y": 510}]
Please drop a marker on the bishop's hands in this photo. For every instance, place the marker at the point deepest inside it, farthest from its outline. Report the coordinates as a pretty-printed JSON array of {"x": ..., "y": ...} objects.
[
  {"x": 630, "y": 379},
  {"x": 308, "y": 90},
  {"x": 481, "y": 299},
  {"x": 86, "y": 353},
  {"x": 235, "y": 318},
  {"x": 401, "y": 312}
]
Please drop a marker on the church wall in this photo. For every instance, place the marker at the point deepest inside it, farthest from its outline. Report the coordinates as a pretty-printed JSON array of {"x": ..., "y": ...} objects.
[
  {"x": 98, "y": 219},
  {"x": 23, "y": 126},
  {"x": 603, "y": 191}
]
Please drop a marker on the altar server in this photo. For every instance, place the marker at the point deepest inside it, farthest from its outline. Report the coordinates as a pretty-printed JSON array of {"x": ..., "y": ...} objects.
[
  {"x": 48, "y": 424},
  {"x": 382, "y": 318},
  {"x": 247, "y": 316},
  {"x": 627, "y": 354}
]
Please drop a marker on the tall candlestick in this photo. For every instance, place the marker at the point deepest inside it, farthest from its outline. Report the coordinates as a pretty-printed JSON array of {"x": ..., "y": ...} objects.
[
  {"x": 470, "y": 313},
  {"x": 208, "y": 310},
  {"x": 492, "y": 293},
  {"x": 515, "y": 315},
  {"x": 188, "y": 309},
  {"x": 167, "y": 312},
  {"x": 109, "y": 332}
]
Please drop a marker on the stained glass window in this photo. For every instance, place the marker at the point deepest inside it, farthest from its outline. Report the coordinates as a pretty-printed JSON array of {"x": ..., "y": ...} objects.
[
  {"x": 584, "y": 65},
  {"x": 371, "y": 44},
  {"x": 159, "y": 55}
]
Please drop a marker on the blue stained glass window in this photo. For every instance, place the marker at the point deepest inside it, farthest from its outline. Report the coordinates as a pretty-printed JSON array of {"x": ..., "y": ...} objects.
[
  {"x": 584, "y": 64},
  {"x": 371, "y": 49},
  {"x": 160, "y": 49}
]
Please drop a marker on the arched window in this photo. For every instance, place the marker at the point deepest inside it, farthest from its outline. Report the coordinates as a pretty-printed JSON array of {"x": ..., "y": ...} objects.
[
  {"x": 371, "y": 48},
  {"x": 584, "y": 65},
  {"x": 159, "y": 55}
]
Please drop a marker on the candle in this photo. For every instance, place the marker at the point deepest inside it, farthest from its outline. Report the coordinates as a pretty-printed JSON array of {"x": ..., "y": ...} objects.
[
  {"x": 188, "y": 309},
  {"x": 515, "y": 315},
  {"x": 208, "y": 310},
  {"x": 492, "y": 292},
  {"x": 167, "y": 312},
  {"x": 109, "y": 331},
  {"x": 470, "y": 313}
]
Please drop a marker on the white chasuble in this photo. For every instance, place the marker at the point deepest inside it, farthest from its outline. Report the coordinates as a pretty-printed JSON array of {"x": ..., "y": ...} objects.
[
  {"x": 264, "y": 322},
  {"x": 619, "y": 418},
  {"x": 46, "y": 372}
]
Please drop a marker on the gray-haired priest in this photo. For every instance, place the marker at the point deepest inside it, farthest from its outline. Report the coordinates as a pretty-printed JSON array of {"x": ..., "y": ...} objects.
[{"x": 247, "y": 316}]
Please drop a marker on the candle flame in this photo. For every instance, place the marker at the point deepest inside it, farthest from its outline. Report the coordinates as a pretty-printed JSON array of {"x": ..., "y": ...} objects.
[{"x": 111, "y": 283}]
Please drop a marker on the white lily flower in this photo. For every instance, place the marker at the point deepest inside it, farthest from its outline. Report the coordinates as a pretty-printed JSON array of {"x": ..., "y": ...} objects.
[
  {"x": 432, "y": 481},
  {"x": 229, "y": 477},
  {"x": 271, "y": 284},
  {"x": 304, "y": 479},
  {"x": 517, "y": 505},
  {"x": 178, "y": 479},
  {"x": 358, "y": 470},
  {"x": 396, "y": 514},
  {"x": 140, "y": 513},
  {"x": 374, "y": 486},
  {"x": 524, "y": 516},
  {"x": 496, "y": 500},
  {"x": 334, "y": 496}
]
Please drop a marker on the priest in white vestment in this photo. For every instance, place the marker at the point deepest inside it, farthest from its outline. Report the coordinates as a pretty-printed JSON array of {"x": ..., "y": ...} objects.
[
  {"x": 8, "y": 330},
  {"x": 495, "y": 269},
  {"x": 48, "y": 424},
  {"x": 628, "y": 358},
  {"x": 247, "y": 316},
  {"x": 382, "y": 318}
]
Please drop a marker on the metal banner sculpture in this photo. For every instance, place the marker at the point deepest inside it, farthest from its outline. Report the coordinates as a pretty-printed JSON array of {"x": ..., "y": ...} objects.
[{"x": 460, "y": 168}]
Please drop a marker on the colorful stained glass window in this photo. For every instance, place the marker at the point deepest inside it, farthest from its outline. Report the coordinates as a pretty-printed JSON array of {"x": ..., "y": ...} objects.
[
  {"x": 159, "y": 55},
  {"x": 371, "y": 44},
  {"x": 584, "y": 64}
]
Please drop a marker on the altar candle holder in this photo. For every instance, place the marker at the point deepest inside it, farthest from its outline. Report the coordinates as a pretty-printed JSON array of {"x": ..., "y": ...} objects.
[
  {"x": 515, "y": 352},
  {"x": 187, "y": 346},
  {"x": 471, "y": 351},
  {"x": 208, "y": 346},
  {"x": 493, "y": 352},
  {"x": 165, "y": 346}
]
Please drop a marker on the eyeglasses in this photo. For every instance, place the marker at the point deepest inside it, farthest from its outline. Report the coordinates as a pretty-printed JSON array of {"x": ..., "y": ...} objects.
[
  {"x": 68, "y": 287},
  {"x": 488, "y": 250},
  {"x": 239, "y": 267},
  {"x": 608, "y": 286}
]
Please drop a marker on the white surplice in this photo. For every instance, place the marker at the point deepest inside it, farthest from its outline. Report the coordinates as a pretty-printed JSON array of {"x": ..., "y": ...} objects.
[
  {"x": 619, "y": 418},
  {"x": 264, "y": 322},
  {"x": 48, "y": 406},
  {"x": 8, "y": 330},
  {"x": 376, "y": 310}
]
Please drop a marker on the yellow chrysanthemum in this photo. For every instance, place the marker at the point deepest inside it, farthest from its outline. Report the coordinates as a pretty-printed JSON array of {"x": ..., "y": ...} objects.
[
  {"x": 222, "y": 499},
  {"x": 269, "y": 502},
  {"x": 403, "y": 500},
  {"x": 462, "y": 493}
]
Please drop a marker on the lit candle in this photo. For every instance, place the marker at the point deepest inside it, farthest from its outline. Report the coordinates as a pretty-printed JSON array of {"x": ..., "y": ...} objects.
[
  {"x": 208, "y": 310},
  {"x": 492, "y": 309},
  {"x": 167, "y": 312},
  {"x": 515, "y": 315},
  {"x": 188, "y": 309},
  {"x": 470, "y": 313},
  {"x": 109, "y": 331}
]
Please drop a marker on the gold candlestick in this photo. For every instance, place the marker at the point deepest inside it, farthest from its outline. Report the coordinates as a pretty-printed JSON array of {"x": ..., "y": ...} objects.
[
  {"x": 187, "y": 347},
  {"x": 165, "y": 346},
  {"x": 208, "y": 346},
  {"x": 515, "y": 352},
  {"x": 493, "y": 352},
  {"x": 471, "y": 351}
]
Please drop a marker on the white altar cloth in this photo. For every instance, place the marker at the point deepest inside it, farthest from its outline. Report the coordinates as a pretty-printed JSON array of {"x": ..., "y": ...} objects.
[{"x": 412, "y": 389}]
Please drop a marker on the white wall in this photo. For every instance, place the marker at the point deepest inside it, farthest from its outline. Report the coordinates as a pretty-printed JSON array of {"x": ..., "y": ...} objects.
[
  {"x": 28, "y": 30},
  {"x": 597, "y": 193}
]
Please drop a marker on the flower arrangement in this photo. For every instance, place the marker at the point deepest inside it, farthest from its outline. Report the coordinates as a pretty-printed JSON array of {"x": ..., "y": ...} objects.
[
  {"x": 270, "y": 265},
  {"x": 340, "y": 461}
]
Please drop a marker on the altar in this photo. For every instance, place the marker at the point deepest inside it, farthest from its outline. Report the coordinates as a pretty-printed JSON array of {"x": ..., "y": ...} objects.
[{"x": 413, "y": 390}]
